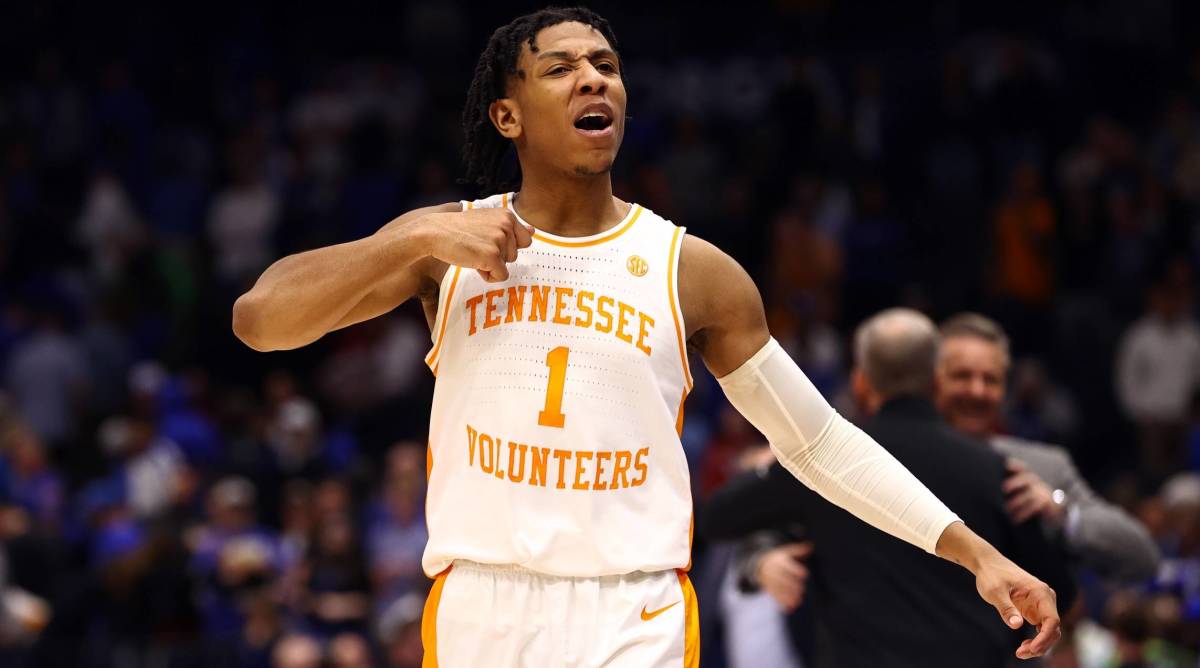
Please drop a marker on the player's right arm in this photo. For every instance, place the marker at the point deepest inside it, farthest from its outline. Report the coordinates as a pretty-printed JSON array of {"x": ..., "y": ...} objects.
[{"x": 301, "y": 297}]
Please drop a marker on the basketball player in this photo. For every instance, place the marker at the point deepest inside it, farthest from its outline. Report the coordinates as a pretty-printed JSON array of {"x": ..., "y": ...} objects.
[{"x": 558, "y": 507}]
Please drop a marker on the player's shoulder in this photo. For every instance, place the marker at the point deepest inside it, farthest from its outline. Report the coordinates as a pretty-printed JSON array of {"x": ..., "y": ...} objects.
[
  {"x": 713, "y": 287},
  {"x": 703, "y": 261}
]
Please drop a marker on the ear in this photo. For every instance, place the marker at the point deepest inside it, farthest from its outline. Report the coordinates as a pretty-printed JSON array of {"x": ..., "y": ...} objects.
[
  {"x": 860, "y": 387},
  {"x": 506, "y": 116}
]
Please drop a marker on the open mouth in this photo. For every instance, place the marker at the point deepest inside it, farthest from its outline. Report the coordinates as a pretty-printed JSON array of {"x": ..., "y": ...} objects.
[{"x": 593, "y": 122}]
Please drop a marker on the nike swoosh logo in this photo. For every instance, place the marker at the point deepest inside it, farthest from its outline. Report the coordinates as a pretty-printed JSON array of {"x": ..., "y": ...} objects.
[{"x": 647, "y": 616}]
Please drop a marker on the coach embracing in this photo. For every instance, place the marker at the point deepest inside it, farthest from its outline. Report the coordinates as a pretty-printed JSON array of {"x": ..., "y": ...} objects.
[{"x": 877, "y": 601}]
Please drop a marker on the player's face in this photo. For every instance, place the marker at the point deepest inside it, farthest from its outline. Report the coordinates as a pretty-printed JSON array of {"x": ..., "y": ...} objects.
[
  {"x": 571, "y": 100},
  {"x": 970, "y": 384}
]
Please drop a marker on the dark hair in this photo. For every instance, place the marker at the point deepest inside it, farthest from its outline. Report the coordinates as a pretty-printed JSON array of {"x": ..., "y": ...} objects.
[{"x": 484, "y": 149}]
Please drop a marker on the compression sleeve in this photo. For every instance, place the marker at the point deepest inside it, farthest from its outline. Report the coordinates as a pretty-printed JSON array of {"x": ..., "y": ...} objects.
[{"x": 829, "y": 454}]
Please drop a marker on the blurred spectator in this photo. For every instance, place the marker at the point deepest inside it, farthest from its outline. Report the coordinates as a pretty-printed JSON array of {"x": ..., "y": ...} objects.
[
  {"x": 1158, "y": 369},
  {"x": 296, "y": 651},
  {"x": 243, "y": 216},
  {"x": 349, "y": 651},
  {"x": 152, "y": 468},
  {"x": 27, "y": 479},
  {"x": 109, "y": 227},
  {"x": 1024, "y": 271},
  {"x": 733, "y": 436},
  {"x": 338, "y": 588},
  {"x": 47, "y": 373},
  {"x": 400, "y": 631},
  {"x": 295, "y": 437},
  {"x": 396, "y": 534},
  {"x": 231, "y": 555}
]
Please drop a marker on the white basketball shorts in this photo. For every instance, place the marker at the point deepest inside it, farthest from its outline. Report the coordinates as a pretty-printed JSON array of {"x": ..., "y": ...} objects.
[{"x": 506, "y": 616}]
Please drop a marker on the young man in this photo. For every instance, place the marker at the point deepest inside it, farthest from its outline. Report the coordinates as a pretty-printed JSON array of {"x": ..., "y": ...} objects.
[{"x": 558, "y": 504}]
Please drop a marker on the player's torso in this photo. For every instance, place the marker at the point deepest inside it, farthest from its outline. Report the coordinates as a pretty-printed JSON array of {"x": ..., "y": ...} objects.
[{"x": 554, "y": 430}]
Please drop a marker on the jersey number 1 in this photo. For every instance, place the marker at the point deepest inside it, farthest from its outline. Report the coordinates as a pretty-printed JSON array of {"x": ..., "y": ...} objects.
[{"x": 551, "y": 415}]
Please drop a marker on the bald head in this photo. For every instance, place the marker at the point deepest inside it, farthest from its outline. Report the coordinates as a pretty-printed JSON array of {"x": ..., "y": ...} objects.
[{"x": 896, "y": 351}]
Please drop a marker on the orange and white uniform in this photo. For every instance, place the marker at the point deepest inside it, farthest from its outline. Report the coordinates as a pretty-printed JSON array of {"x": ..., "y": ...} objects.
[{"x": 559, "y": 504}]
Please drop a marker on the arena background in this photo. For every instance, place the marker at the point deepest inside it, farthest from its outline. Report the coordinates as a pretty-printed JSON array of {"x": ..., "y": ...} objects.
[{"x": 169, "y": 497}]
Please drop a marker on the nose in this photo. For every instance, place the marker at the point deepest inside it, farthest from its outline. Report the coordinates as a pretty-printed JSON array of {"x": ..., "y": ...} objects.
[
  {"x": 977, "y": 387},
  {"x": 591, "y": 81}
]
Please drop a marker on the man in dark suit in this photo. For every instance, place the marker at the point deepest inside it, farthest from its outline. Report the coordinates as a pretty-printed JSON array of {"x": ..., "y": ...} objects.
[{"x": 877, "y": 601}]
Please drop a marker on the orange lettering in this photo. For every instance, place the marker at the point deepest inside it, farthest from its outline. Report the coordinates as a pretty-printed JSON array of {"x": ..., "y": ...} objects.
[
  {"x": 581, "y": 455},
  {"x": 537, "y": 470},
  {"x": 624, "y": 310},
  {"x": 512, "y": 450},
  {"x": 485, "y": 441},
  {"x": 643, "y": 330},
  {"x": 516, "y": 303},
  {"x": 541, "y": 300},
  {"x": 562, "y": 456},
  {"x": 472, "y": 304},
  {"x": 637, "y": 464},
  {"x": 488, "y": 319},
  {"x": 579, "y": 297},
  {"x": 607, "y": 315},
  {"x": 471, "y": 437},
  {"x": 620, "y": 466},
  {"x": 559, "y": 294},
  {"x": 499, "y": 445},
  {"x": 600, "y": 459}
]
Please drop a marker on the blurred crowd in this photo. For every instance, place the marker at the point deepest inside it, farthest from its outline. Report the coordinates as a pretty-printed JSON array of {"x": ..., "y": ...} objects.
[{"x": 170, "y": 498}]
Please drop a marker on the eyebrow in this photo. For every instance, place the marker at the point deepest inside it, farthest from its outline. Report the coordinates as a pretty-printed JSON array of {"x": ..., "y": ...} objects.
[{"x": 601, "y": 52}]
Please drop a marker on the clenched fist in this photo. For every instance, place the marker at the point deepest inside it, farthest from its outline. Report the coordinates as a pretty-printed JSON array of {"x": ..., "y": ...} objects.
[{"x": 482, "y": 239}]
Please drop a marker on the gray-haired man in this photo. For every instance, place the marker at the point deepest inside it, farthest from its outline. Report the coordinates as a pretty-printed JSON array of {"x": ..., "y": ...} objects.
[{"x": 972, "y": 375}]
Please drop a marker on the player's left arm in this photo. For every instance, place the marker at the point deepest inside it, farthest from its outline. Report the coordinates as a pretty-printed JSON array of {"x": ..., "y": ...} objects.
[{"x": 726, "y": 324}]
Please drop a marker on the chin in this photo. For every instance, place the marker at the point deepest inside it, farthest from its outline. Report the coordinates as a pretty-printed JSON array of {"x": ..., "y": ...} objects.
[{"x": 594, "y": 169}]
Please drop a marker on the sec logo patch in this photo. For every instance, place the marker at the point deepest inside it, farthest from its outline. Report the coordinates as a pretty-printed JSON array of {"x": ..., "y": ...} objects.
[{"x": 636, "y": 265}]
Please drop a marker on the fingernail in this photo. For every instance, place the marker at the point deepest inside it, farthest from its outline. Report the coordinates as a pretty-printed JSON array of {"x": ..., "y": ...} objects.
[{"x": 1014, "y": 620}]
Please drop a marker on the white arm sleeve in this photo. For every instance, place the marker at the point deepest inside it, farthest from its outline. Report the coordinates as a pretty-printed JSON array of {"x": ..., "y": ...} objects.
[{"x": 829, "y": 454}]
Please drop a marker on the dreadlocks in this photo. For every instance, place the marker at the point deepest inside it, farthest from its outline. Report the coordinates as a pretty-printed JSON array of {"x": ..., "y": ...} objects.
[{"x": 484, "y": 149}]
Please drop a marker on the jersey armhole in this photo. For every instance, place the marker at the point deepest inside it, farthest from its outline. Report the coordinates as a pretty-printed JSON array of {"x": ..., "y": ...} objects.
[
  {"x": 676, "y": 309},
  {"x": 438, "y": 333}
]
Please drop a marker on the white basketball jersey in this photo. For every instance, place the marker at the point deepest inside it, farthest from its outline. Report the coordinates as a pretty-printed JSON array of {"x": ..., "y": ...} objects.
[{"x": 554, "y": 436}]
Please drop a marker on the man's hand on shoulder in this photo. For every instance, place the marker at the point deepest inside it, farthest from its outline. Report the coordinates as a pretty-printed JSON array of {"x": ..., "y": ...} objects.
[{"x": 1028, "y": 496}]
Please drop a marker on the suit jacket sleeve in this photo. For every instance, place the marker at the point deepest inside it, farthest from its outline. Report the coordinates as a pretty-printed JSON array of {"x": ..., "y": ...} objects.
[
  {"x": 1102, "y": 535},
  {"x": 752, "y": 502}
]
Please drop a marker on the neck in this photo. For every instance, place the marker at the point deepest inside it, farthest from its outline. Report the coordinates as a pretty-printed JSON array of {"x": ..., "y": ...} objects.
[{"x": 568, "y": 205}]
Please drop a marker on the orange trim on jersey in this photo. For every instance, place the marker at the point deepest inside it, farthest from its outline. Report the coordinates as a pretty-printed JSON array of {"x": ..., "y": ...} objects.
[
  {"x": 691, "y": 533},
  {"x": 428, "y": 461},
  {"x": 470, "y": 205},
  {"x": 592, "y": 242},
  {"x": 679, "y": 414},
  {"x": 675, "y": 310},
  {"x": 429, "y": 621},
  {"x": 691, "y": 621},
  {"x": 431, "y": 360},
  {"x": 504, "y": 201}
]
